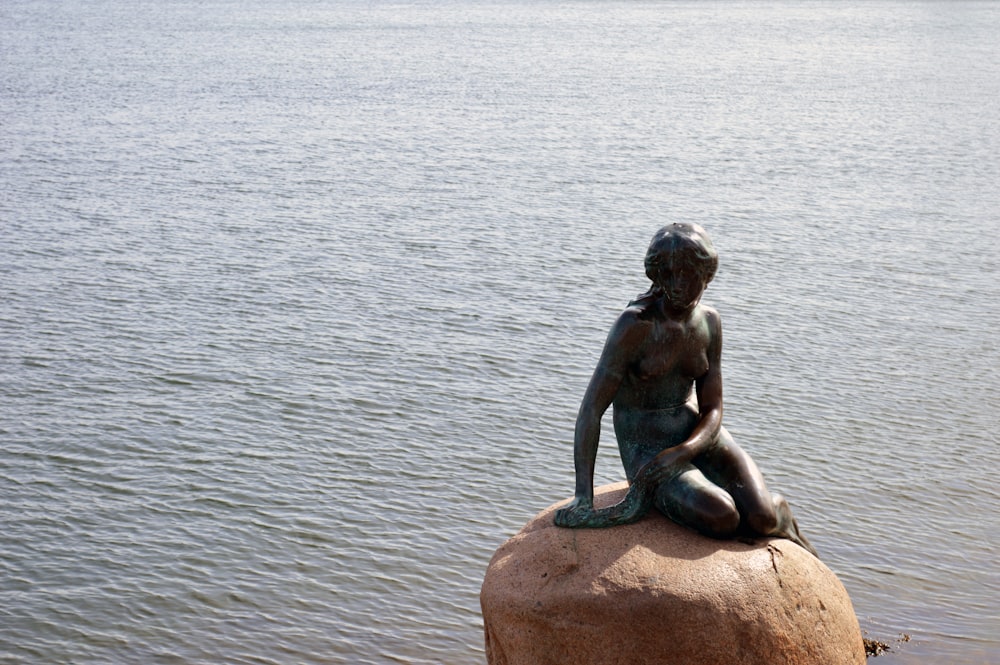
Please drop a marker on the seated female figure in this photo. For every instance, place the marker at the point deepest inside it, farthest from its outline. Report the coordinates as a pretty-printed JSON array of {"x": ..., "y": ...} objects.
[{"x": 660, "y": 368}]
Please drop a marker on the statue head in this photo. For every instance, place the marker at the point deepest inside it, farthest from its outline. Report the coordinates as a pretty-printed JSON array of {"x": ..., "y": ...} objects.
[
  {"x": 681, "y": 261},
  {"x": 681, "y": 246}
]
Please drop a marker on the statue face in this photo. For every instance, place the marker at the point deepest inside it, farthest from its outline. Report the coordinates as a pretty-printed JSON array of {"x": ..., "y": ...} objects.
[{"x": 682, "y": 285}]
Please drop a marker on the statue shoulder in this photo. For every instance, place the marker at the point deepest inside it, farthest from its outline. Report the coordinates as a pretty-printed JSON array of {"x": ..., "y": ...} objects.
[
  {"x": 631, "y": 317},
  {"x": 713, "y": 323},
  {"x": 711, "y": 315},
  {"x": 631, "y": 328}
]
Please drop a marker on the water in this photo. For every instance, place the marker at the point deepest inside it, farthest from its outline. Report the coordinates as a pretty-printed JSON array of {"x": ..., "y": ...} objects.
[{"x": 300, "y": 298}]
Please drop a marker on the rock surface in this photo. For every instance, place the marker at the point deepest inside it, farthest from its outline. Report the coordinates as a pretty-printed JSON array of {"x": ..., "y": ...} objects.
[{"x": 656, "y": 592}]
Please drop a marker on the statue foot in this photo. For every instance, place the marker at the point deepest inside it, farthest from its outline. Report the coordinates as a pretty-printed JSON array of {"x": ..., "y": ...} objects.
[
  {"x": 788, "y": 528},
  {"x": 797, "y": 538},
  {"x": 629, "y": 509}
]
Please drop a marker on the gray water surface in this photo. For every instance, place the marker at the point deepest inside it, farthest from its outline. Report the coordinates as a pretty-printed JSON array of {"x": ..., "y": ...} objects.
[{"x": 299, "y": 300}]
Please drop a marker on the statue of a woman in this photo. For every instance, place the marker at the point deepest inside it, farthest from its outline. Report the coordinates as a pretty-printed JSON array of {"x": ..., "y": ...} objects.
[{"x": 661, "y": 369}]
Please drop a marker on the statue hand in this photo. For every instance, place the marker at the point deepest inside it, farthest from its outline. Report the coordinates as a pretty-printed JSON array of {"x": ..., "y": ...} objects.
[
  {"x": 578, "y": 512},
  {"x": 664, "y": 466}
]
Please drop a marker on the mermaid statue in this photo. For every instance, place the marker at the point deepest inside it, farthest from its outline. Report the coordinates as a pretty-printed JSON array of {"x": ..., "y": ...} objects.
[{"x": 660, "y": 368}]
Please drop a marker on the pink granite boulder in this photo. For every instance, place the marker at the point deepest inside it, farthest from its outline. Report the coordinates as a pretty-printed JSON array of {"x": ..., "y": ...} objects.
[{"x": 656, "y": 592}]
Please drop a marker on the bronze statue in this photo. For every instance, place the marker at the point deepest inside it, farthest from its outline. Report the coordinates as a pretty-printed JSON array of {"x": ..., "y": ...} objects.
[{"x": 677, "y": 455}]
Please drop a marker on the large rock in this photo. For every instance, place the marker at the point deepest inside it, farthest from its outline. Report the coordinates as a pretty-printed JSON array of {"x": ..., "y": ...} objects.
[{"x": 656, "y": 592}]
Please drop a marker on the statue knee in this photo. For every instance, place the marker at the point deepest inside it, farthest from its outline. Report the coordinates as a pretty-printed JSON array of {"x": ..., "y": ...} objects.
[
  {"x": 720, "y": 519},
  {"x": 711, "y": 513}
]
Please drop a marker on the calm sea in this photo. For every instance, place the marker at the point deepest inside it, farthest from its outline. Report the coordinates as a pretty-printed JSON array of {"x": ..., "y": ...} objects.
[{"x": 298, "y": 299}]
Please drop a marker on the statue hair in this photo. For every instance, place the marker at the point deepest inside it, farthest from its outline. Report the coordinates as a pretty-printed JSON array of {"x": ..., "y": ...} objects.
[
  {"x": 685, "y": 241},
  {"x": 688, "y": 243}
]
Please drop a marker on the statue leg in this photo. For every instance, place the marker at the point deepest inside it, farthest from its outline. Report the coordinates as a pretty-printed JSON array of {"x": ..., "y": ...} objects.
[
  {"x": 689, "y": 498},
  {"x": 761, "y": 514}
]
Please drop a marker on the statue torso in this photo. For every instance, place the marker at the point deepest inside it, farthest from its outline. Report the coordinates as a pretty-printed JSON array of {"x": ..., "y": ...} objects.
[
  {"x": 670, "y": 358},
  {"x": 655, "y": 407}
]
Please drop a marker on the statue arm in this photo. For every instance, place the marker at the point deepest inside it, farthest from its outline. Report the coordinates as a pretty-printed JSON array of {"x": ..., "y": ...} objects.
[
  {"x": 600, "y": 393},
  {"x": 619, "y": 351}
]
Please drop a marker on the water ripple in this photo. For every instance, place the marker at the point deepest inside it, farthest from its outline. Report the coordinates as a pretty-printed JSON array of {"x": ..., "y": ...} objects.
[{"x": 293, "y": 333}]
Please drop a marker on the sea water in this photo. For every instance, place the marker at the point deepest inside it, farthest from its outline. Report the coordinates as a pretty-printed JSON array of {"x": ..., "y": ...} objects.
[{"x": 298, "y": 300}]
